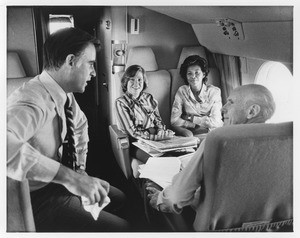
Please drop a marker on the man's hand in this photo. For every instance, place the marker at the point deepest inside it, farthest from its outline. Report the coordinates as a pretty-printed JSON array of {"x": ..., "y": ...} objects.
[
  {"x": 94, "y": 189},
  {"x": 206, "y": 122},
  {"x": 153, "y": 196}
]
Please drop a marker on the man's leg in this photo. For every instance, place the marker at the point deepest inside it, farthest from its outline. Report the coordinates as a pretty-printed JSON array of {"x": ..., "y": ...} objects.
[
  {"x": 56, "y": 209},
  {"x": 118, "y": 203}
]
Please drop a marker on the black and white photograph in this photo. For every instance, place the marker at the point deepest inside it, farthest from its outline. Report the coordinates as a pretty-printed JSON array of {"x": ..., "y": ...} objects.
[{"x": 135, "y": 119}]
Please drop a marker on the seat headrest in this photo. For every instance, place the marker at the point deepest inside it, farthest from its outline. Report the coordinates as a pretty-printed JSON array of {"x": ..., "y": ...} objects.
[
  {"x": 142, "y": 56},
  {"x": 14, "y": 66},
  {"x": 188, "y": 51}
]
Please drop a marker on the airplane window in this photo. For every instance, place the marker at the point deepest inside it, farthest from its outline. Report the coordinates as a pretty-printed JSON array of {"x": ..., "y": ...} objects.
[
  {"x": 279, "y": 80},
  {"x": 57, "y": 22}
]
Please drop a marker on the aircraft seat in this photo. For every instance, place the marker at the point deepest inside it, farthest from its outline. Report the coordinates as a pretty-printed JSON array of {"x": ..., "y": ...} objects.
[
  {"x": 159, "y": 80},
  {"x": 16, "y": 75},
  {"x": 177, "y": 80},
  {"x": 19, "y": 210},
  {"x": 159, "y": 87},
  {"x": 248, "y": 185}
]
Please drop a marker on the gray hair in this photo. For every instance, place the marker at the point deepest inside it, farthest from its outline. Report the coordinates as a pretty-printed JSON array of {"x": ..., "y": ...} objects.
[{"x": 260, "y": 95}]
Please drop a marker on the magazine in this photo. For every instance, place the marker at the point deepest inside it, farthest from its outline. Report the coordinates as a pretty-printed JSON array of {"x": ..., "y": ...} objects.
[
  {"x": 175, "y": 143},
  {"x": 148, "y": 149},
  {"x": 155, "y": 153}
]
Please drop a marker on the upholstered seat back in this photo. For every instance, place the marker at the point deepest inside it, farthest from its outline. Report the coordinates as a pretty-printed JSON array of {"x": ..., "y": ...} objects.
[
  {"x": 19, "y": 210},
  {"x": 16, "y": 76},
  {"x": 248, "y": 171},
  {"x": 159, "y": 80},
  {"x": 159, "y": 87}
]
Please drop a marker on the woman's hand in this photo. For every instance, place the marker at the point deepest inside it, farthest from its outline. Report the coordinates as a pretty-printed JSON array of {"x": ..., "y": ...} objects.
[
  {"x": 187, "y": 117},
  {"x": 164, "y": 134},
  {"x": 206, "y": 122}
]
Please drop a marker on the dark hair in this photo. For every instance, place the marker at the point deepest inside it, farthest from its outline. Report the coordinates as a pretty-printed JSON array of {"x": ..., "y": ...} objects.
[
  {"x": 64, "y": 42},
  {"x": 194, "y": 60},
  {"x": 130, "y": 72}
]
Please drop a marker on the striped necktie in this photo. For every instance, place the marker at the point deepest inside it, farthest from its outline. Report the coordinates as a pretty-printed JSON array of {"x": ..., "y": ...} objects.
[{"x": 69, "y": 152}]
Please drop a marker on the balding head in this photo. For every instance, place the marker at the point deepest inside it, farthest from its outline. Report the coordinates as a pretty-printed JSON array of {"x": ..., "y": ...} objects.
[{"x": 251, "y": 103}]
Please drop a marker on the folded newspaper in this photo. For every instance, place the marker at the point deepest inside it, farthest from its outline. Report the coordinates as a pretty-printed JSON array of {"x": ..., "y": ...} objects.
[{"x": 175, "y": 143}]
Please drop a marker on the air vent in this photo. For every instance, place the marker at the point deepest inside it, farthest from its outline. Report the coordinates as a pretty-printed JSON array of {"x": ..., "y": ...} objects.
[{"x": 231, "y": 29}]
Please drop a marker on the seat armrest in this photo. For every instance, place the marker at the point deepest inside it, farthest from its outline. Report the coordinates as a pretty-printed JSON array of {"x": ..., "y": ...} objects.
[
  {"x": 120, "y": 146},
  {"x": 19, "y": 209}
]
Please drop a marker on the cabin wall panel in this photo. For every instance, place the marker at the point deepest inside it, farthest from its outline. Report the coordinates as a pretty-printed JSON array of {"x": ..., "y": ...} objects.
[
  {"x": 263, "y": 40},
  {"x": 21, "y": 37},
  {"x": 165, "y": 35},
  {"x": 104, "y": 33},
  {"x": 249, "y": 68}
]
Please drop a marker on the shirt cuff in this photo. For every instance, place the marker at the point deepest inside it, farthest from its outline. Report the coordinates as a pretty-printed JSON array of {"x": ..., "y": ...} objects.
[
  {"x": 159, "y": 198},
  {"x": 168, "y": 206},
  {"x": 44, "y": 170}
]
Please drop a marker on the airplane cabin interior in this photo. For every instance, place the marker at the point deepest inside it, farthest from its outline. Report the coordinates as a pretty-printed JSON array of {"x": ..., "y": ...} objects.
[{"x": 242, "y": 45}]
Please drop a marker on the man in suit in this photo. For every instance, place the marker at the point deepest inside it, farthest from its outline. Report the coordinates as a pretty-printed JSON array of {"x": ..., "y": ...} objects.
[{"x": 38, "y": 130}]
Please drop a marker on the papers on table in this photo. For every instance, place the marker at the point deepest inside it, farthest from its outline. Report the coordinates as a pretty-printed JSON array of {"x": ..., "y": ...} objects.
[
  {"x": 161, "y": 170},
  {"x": 155, "y": 152},
  {"x": 175, "y": 143},
  {"x": 149, "y": 150}
]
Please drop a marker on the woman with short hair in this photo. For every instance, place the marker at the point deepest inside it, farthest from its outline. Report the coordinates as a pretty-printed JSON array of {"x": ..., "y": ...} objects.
[{"x": 138, "y": 111}]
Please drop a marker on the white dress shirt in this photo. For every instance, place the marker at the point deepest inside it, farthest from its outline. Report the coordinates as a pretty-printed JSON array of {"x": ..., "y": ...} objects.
[
  {"x": 186, "y": 186},
  {"x": 209, "y": 108},
  {"x": 36, "y": 128}
]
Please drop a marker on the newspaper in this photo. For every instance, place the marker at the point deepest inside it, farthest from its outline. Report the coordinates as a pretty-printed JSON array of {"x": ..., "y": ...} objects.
[
  {"x": 175, "y": 143},
  {"x": 148, "y": 149}
]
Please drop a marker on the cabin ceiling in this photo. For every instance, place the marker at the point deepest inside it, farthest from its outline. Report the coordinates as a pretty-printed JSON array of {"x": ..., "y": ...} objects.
[{"x": 207, "y": 14}]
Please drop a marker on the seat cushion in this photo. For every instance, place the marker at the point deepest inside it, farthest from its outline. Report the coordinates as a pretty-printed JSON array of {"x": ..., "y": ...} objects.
[
  {"x": 14, "y": 83},
  {"x": 159, "y": 87},
  {"x": 142, "y": 56}
]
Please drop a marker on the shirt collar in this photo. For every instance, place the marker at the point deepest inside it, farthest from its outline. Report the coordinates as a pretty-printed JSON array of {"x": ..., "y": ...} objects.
[
  {"x": 201, "y": 94},
  {"x": 58, "y": 95},
  {"x": 132, "y": 98}
]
